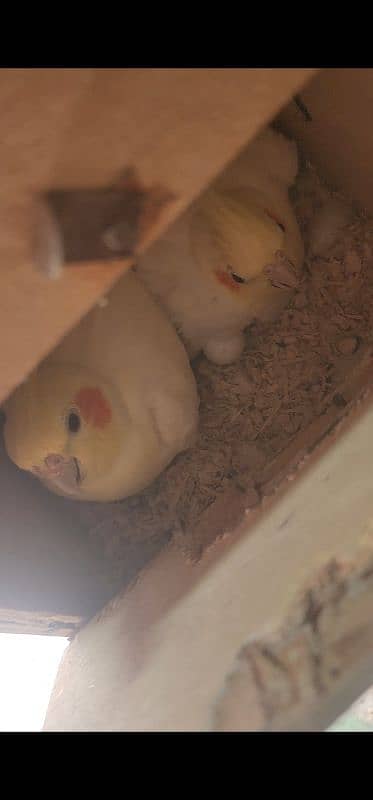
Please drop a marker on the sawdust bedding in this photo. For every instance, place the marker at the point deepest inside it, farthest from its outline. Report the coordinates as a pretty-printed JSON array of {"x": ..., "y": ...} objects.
[{"x": 251, "y": 411}]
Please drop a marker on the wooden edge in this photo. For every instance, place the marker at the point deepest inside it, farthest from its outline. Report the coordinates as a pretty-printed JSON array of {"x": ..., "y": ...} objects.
[{"x": 42, "y": 623}]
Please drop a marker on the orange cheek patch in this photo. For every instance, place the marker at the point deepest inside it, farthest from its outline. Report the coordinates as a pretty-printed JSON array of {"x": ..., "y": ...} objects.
[
  {"x": 93, "y": 406},
  {"x": 226, "y": 279}
]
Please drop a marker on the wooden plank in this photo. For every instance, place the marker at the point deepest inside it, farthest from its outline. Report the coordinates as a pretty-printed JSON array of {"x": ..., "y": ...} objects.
[
  {"x": 161, "y": 655},
  {"x": 40, "y": 623},
  {"x": 337, "y": 136},
  {"x": 81, "y": 127}
]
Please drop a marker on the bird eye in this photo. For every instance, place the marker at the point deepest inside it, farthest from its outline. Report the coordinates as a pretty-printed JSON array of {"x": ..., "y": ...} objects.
[
  {"x": 236, "y": 277},
  {"x": 73, "y": 422}
]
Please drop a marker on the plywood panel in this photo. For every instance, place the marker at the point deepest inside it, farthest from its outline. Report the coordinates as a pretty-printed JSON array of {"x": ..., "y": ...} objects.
[
  {"x": 80, "y": 128},
  {"x": 338, "y": 138},
  {"x": 160, "y": 656}
]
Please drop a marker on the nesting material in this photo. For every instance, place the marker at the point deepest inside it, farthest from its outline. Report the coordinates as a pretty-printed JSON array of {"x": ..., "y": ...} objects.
[{"x": 257, "y": 411}]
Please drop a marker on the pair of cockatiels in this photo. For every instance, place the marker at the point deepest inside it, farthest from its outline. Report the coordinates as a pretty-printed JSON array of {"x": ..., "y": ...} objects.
[{"x": 117, "y": 400}]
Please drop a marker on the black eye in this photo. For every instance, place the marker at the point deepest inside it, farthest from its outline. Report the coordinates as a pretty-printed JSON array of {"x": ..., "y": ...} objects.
[
  {"x": 73, "y": 422},
  {"x": 237, "y": 278}
]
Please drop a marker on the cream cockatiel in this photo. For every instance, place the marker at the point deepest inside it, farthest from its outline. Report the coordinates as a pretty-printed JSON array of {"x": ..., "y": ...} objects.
[
  {"x": 209, "y": 270},
  {"x": 111, "y": 406}
]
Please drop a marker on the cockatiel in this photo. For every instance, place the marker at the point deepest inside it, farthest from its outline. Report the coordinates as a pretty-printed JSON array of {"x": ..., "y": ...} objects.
[
  {"x": 105, "y": 413},
  {"x": 214, "y": 268}
]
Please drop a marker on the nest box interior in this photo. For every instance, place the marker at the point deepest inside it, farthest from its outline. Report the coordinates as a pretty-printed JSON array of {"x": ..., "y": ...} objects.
[{"x": 259, "y": 419}]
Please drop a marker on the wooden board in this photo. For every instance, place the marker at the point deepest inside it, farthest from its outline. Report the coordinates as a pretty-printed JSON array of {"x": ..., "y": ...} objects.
[
  {"x": 172, "y": 654},
  {"x": 80, "y": 128},
  {"x": 338, "y": 134}
]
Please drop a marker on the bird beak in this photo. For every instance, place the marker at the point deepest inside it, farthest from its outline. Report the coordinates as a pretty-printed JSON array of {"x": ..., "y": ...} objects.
[{"x": 61, "y": 473}]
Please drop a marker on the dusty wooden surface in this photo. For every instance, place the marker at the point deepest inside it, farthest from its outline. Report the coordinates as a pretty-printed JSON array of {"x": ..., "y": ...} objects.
[
  {"x": 80, "y": 128},
  {"x": 338, "y": 134},
  {"x": 42, "y": 623},
  {"x": 279, "y": 682},
  {"x": 160, "y": 655}
]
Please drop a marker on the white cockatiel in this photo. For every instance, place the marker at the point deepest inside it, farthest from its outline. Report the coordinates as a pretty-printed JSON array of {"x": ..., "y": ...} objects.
[
  {"x": 209, "y": 269},
  {"x": 105, "y": 413}
]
